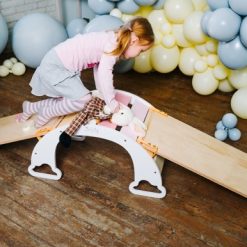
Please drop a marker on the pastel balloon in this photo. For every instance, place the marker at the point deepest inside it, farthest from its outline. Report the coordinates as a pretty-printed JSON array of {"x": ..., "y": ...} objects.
[
  {"x": 220, "y": 72},
  {"x": 234, "y": 134},
  {"x": 220, "y": 134},
  {"x": 211, "y": 46},
  {"x": 76, "y": 26},
  {"x": 159, "y": 4},
  {"x": 192, "y": 28},
  {"x": 238, "y": 78},
  {"x": 205, "y": 83},
  {"x": 225, "y": 86},
  {"x": 168, "y": 41},
  {"x": 8, "y": 64},
  {"x": 145, "y": 2},
  {"x": 144, "y": 11},
  {"x": 4, "y": 71},
  {"x": 177, "y": 10},
  {"x": 212, "y": 60},
  {"x": 13, "y": 60},
  {"x": 204, "y": 21},
  {"x": 157, "y": 18},
  {"x": 239, "y": 6},
  {"x": 202, "y": 49},
  {"x": 128, "y": 6},
  {"x": 239, "y": 103},
  {"x": 101, "y": 7},
  {"x": 4, "y": 33},
  {"x": 216, "y": 4},
  {"x": 223, "y": 24},
  {"x": 243, "y": 32},
  {"x": 220, "y": 125},
  {"x": 229, "y": 120},
  {"x": 200, "y": 66},
  {"x": 199, "y": 4},
  {"x": 18, "y": 69},
  {"x": 166, "y": 28},
  {"x": 142, "y": 62},
  {"x": 188, "y": 57},
  {"x": 233, "y": 54},
  {"x": 178, "y": 32},
  {"x": 158, "y": 36},
  {"x": 164, "y": 60},
  {"x": 116, "y": 12}
]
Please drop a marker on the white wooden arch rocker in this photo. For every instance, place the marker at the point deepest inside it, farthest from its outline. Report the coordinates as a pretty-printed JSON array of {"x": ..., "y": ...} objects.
[{"x": 144, "y": 161}]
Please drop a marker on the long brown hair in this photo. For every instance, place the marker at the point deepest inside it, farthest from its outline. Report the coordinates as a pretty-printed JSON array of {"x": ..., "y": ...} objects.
[{"x": 142, "y": 29}]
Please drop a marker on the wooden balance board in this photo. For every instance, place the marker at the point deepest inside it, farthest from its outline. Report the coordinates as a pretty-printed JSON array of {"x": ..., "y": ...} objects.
[{"x": 197, "y": 151}]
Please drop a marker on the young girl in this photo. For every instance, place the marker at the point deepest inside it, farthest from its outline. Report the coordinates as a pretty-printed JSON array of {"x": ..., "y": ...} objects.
[{"x": 58, "y": 75}]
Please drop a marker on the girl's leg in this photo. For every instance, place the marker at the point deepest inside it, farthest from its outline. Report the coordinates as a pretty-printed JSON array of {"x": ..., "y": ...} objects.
[
  {"x": 30, "y": 108},
  {"x": 60, "y": 108}
]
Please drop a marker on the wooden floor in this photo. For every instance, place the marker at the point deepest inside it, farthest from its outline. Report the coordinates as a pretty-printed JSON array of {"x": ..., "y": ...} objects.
[{"x": 91, "y": 204}]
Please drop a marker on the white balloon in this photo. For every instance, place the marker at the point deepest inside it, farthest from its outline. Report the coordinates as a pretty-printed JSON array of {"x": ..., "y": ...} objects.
[
  {"x": 192, "y": 28},
  {"x": 238, "y": 78},
  {"x": 13, "y": 60},
  {"x": 116, "y": 12},
  {"x": 157, "y": 18},
  {"x": 212, "y": 60},
  {"x": 225, "y": 86},
  {"x": 8, "y": 64},
  {"x": 200, "y": 66},
  {"x": 177, "y": 10},
  {"x": 220, "y": 72},
  {"x": 188, "y": 57},
  {"x": 211, "y": 46},
  {"x": 168, "y": 41},
  {"x": 204, "y": 83},
  {"x": 166, "y": 28},
  {"x": 164, "y": 60},
  {"x": 4, "y": 71},
  {"x": 18, "y": 69},
  {"x": 239, "y": 103},
  {"x": 199, "y": 4},
  {"x": 202, "y": 50},
  {"x": 158, "y": 36}
]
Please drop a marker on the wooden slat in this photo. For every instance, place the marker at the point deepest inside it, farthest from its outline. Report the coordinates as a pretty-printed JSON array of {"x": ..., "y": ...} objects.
[{"x": 198, "y": 152}]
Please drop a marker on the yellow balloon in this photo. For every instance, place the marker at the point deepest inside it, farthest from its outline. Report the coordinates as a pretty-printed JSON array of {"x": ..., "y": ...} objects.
[
  {"x": 126, "y": 18},
  {"x": 168, "y": 41},
  {"x": 225, "y": 86},
  {"x": 205, "y": 83},
  {"x": 178, "y": 32},
  {"x": 143, "y": 11},
  {"x": 202, "y": 50},
  {"x": 166, "y": 28},
  {"x": 212, "y": 60},
  {"x": 188, "y": 57},
  {"x": 177, "y": 10},
  {"x": 164, "y": 60},
  {"x": 220, "y": 72},
  {"x": 211, "y": 46},
  {"x": 200, "y": 66},
  {"x": 192, "y": 28},
  {"x": 142, "y": 62},
  {"x": 199, "y": 4},
  {"x": 157, "y": 18},
  {"x": 239, "y": 102},
  {"x": 158, "y": 36},
  {"x": 238, "y": 78}
]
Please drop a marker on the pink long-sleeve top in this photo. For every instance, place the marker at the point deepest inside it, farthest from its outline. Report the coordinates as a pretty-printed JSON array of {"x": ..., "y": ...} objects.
[{"x": 90, "y": 51}]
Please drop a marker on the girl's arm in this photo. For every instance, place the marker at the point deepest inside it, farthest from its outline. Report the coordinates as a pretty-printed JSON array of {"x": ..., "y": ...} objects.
[{"x": 103, "y": 77}]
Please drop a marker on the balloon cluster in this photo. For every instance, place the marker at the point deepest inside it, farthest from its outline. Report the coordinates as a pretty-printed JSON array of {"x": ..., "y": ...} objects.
[
  {"x": 227, "y": 23},
  {"x": 227, "y": 128},
  {"x": 12, "y": 66}
]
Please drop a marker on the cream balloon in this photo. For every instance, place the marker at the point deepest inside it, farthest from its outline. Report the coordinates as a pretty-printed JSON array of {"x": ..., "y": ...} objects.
[
  {"x": 144, "y": 11},
  {"x": 188, "y": 57},
  {"x": 212, "y": 60},
  {"x": 177, "y": 10},
  {"x": 4, "y": 71},
  {"x": 211, "y": 46},
  {"x": 200, "y": 66},
  {"x": 168, "y": 41},
  {"x": 205, "y": 83},
  {"x": 239, "y": 103},
  {"x": 8, "y": 64},
  {"x": 202, "y": 50},
  {"x": 166, "y": 28},
  {"x": 192, "y": 28},
  {"x": 13, "y": 60},
  {"x": 116, "y": 12},
  {"x": 220, "y": 72},
  {"x": 18, "y": 69},
  {"x": 158, "y": 36},
  {"x": 126, "y": 18},
  {"x": 225, "y": 86},
  {"x": 157, "y": 18},
  {"x": 238, "y": 78},
  {"x": 142, "y": 62},
  {"x": 199, "y": 4},
  {"x": 178, "y": 32},
  {"x": 164, "y": 60}
]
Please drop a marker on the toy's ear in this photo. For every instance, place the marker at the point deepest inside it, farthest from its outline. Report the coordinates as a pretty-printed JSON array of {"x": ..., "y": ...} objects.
[{"x": 138, "y": 127}]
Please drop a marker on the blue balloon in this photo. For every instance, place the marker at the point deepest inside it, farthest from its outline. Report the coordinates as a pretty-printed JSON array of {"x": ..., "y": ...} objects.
[
  {"x": 102, "y": 23},
  {"x": 216, "y": 4},
  {"x": 223, "y": 24},
  {"x": 220, "y": 134},
  {"x": 243, "y": 32},
  {"x": 204, "y": 21},
  {"x": 128, "y": 6},
  {"x": 220, "y": 125},
  {"x": 34, "y": 35},
  {"x": 159, "y": 4},
  {"x": 145, "y": 2},
  {"x": 124, "y": 66},
  {"x": 233, "y": 54},
  {"x": 76, "y": 26},
  {"x": 234, "y": 134},
  {"x": 101, "y": 7},
  {"x": 4, "y": 33},
  {"x": 239, "y": 6},
  {"x": 229, "y": 120}
]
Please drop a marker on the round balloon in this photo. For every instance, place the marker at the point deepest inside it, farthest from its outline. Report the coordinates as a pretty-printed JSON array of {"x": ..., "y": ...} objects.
[
  {"x": 159, "y": 4},
  {"x": 225, "y": 86},
  {"x": 233, "y": 54},
  {"x": 4, "y": 33},
  {"x": 238, "y": 78},
  {"x": 223, "y": 24},
  {"x": 102, "y": 23},
  {"x": 238, "y": 6},
  {"x": 178, "y": 32},
  {"x": 157, "y": 18},
  {"x": 200, "y": 5},
  {"x": 76, "y": 26},
  {"x": 204, "y": 21},
  {"x": 239, "y": 103},
  {"x": 216, "y": 4},
  {"x": 18, "y": 69},
  {"x": 142, "y": 62},
  {"x": 128, "y": 6},
  {"x": 101, "y": 7},
  {"x": 243, "y": 32},
  {"x": 145, "y": 2}
]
